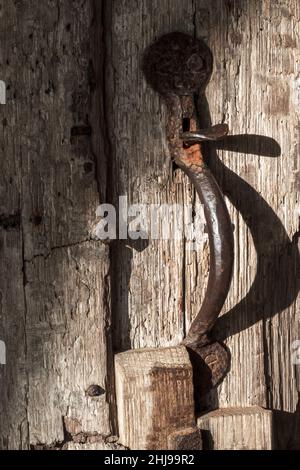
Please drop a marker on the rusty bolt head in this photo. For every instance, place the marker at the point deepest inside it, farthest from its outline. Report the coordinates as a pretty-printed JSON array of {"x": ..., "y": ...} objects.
[
  {"x": 94, "y": 391},
  {"x": 177, "y": 64}
]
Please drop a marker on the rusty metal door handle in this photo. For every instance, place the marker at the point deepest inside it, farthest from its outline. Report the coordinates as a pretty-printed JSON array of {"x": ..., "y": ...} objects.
[{"x": 177, "y": 66}]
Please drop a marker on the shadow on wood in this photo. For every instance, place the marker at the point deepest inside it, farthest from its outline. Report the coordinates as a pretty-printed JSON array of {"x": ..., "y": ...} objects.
[{"x": 277, "y": 281}]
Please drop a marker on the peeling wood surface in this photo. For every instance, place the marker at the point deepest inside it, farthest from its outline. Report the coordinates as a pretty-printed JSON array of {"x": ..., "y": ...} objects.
[
  {"x": 54, "y": 279},
  {"x": 66, "y": 343}
]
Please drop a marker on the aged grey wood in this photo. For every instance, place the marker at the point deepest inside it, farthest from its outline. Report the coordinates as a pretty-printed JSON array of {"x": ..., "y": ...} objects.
[
  {"x": 13, "y": 375},
  {"x": 248, "y": 428},
  {"x": 66, "y": 343},
  {"x": 55, "y": 281},
  {"x": 148, "y": 297},
  {"x": 254, "y": 87},
  {"x": 92, "y": 446}
]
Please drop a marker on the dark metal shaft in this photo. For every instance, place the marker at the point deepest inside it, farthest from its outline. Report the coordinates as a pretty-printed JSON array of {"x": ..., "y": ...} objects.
[{"x": 221, "y": 253}]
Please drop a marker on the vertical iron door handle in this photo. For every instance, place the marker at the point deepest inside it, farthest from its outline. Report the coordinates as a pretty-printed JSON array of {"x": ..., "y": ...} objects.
[{"x": 177, "y": 66}]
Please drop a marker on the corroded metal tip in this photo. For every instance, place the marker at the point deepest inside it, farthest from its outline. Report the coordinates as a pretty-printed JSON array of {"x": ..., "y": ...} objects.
[
  {"x": 213, "y": 133},
  {"x": 177, "y": 64}
]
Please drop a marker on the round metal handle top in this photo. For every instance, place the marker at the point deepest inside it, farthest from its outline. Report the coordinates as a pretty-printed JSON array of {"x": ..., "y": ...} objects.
[{"x": 178, "y": 64}]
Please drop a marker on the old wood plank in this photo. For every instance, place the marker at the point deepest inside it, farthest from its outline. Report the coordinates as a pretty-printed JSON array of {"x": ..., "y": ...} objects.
[
  {"x": 148, "y": 294},
  {"x": 13, "y": 374},
  {"x": 237, "y": 429},
  {"x": 225, "y": 26},
  {"x": 92, "y": 446},
  {"x": 52, "y": 60},
  {"x": 254, "y": 89},
  {"x": 67, "y": 343}
]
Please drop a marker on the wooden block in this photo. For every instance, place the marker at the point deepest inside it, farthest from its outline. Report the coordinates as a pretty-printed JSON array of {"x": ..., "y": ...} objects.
[
  {"x": 92, "y": 446},
  {"x": 154, "y": 391},
  {"x": 185, "y": 439},
  {"x": 237, "y": 429}
]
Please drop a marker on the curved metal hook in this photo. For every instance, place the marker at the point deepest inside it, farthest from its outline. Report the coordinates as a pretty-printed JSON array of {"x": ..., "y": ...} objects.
[
  {"x": 177, "y": 66},
  {"x": 221, "y": 252}
]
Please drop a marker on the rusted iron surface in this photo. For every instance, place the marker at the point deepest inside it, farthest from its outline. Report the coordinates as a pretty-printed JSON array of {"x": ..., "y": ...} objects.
[
  {"x": 217, "y": 132},
  {"x": 177, "y": 66}
]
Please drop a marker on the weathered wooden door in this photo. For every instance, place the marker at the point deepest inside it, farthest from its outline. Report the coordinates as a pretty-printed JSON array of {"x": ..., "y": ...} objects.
[{"x": 81, "y": 127}]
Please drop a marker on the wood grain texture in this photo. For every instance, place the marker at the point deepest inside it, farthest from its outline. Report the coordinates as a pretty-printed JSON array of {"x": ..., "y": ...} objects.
[
  {"x": 62, "y": 328},
  {"x": 148, "y": 296},
  {"x": 55, "y": 279},
  {"x": 155, "y": 396},
  {"x": 93, "y": 443},
  {"x": 159, "y": 288},
  {"x": 237, "y": 429},
  {"x": 13, "y": 375},
  {"x": 94, "y": 446},
  {"x": 254, "y": 89},
  {"x": 52, "y": 61}
]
